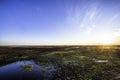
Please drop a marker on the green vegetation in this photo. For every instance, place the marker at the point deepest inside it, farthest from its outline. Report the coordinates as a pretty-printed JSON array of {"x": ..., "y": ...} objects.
[
  {"x": 27, "y": 67},
  {"x": 70, "y": 62},
  {"x": 43, "y": 69}
]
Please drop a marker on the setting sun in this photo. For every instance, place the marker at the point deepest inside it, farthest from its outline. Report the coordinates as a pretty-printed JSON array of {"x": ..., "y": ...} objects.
[{"x": 106, "y": 40}]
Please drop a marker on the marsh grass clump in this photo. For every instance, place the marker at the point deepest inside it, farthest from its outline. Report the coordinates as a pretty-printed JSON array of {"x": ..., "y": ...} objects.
[
  {"x": 43, "y": 69},
  {"x": 28, "y": 67}
]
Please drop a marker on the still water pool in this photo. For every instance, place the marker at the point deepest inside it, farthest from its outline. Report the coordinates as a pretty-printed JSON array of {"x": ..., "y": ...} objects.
[{"x": 26, "y": 70}]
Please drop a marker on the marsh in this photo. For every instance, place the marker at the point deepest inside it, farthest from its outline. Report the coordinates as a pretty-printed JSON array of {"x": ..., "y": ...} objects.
[{"x": 60, "y": 62}]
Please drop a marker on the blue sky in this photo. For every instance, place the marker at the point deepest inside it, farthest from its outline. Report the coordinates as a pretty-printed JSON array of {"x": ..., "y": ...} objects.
[{"x": 58, "y": 22}]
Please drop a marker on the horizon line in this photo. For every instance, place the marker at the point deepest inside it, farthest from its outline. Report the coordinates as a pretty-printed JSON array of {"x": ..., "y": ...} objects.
[{"x": 67, "y": 45}]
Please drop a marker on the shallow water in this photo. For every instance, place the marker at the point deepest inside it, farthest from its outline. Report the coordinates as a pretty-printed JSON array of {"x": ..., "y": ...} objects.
[
  {"x": 100, "y": 61},
  {"x": 31, "y": 71}
]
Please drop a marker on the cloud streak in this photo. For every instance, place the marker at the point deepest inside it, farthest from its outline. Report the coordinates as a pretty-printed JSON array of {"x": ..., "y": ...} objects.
[{"x": 83, "y": 17}]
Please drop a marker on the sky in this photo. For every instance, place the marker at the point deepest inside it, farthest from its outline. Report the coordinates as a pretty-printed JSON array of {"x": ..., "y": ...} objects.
[{"x": 59, "y": 22}]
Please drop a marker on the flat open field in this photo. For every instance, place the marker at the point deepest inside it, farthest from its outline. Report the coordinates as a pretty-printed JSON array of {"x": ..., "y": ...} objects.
[{"x": 60, "y": 63}]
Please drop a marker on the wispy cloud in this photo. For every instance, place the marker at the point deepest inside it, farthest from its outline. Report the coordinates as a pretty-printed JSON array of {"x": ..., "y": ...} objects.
[
  {"x": 83, "y": 18},
  {"x": 113, "y": 18}
]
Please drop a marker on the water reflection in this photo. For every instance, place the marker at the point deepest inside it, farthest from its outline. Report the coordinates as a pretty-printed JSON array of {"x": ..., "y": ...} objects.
[{"x": 24, "y": 70}]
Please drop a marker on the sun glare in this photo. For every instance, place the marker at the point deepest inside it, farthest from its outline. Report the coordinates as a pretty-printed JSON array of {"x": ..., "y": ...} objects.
[{"x": 106, "y": 40}]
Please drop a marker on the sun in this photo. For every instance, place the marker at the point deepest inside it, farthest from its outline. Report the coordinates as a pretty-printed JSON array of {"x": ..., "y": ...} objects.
[{"x": 106, "y": 40}]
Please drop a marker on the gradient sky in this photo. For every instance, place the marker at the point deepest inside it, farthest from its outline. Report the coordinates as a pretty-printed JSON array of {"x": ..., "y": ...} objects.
[{"x": 56, "y": 22}]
